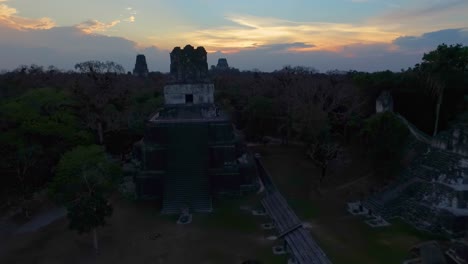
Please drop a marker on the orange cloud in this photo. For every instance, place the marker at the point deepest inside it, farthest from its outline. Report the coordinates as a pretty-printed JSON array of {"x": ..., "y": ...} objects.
[
  {"x": 131, "y": 19},
  {"x": 93, "y": 26},
  {"x": 253, "y": 32},
  {"x": 9, "y": 18}
]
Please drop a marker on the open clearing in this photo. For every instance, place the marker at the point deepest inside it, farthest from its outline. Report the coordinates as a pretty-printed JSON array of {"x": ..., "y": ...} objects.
[{"x": 229, "y": 235}]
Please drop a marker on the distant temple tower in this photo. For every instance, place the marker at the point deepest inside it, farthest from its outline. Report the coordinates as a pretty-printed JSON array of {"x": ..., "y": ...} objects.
[
  {"x": 222, "y": 64},
  {"x": 141, "y": 68},
  {"x": 190, "y": 152}
]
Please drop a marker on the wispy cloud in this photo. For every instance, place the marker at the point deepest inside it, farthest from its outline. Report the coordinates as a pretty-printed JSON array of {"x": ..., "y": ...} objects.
[
  {"x": 130, "y": 19},
  {"x": 132, "y": 12},
  {"x": 254, "y": 32},
  {"x": 93, "y": 26},
  {"x": 437, "y": 8},
  {"x": 425, "y": 16},
  {"x": 9, "y": 17}
]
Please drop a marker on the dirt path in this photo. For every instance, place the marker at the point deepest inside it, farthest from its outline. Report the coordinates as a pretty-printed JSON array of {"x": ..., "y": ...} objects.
[{"x": 42, "y": 220}]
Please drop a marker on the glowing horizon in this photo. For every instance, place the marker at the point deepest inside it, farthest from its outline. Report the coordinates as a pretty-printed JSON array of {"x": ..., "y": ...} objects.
[{"x": 342, "y": 27}]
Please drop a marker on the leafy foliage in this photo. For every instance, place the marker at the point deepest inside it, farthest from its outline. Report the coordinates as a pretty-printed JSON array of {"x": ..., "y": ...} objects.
[
  {"x": 445, "y": 71},
  {"x": 385, "y": 135},
  {"x": 84, "y": 168},
  {"x": 102, "y": 100},
  {"x": 323, "y": 149},
  {"x": 259, "y": 115},
  {"x": 99, "y": 67},
  {"x": 90, "y": 212},
  {"x": 84, "y": 179},
  {"x": 37, "y": 128},
  {"x": 142, "y": 106}
]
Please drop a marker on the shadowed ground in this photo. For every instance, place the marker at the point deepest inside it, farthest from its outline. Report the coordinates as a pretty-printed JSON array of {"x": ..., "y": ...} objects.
[
  {"x": 227, "y": 236},
  {"x": 344, "y": 238}
]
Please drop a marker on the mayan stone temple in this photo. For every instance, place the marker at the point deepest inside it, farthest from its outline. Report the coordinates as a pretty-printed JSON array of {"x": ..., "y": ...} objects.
[
  {"x": 190, "y": 153},
  {"x": 141, "y": 68},
  {"x": 431, "y": 193}
]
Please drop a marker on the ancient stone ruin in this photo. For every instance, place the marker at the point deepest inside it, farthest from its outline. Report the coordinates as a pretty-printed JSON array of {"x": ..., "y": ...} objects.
[
  {"x": 189, "y": 65},
  {"x": 384, "y": 102},
  {"x": 190, "y": 152},
  {"x": 431, "y": 193},
  {"x": 190, "y": 83},
  {"x": 141, "y": 68},
  {"x": 222, "y": 64}
]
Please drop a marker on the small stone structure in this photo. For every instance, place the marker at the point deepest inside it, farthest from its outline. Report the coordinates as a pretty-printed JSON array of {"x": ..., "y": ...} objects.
[
  {"x": 384, "y": 102},
  {"x": 185, "y": 217},
  {"x": 259, "y": 212},
  {"x": 268, "y": 226},
  {"x": 377, "y": 221},
  {"x": 356, "y": 208},
  {"x": 279, "y": 250},
  {"x": 141, "y": 68}
]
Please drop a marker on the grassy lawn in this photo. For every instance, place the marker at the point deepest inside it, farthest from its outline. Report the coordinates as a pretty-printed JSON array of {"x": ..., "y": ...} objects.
[
  {"x": 229, "y": 235},
  {"x": 227, "y": 215},
  {"x": 344, "y": 238}
]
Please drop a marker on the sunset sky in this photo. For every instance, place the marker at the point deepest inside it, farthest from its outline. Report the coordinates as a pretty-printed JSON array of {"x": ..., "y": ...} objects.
[{"x": 365, "y": 35}]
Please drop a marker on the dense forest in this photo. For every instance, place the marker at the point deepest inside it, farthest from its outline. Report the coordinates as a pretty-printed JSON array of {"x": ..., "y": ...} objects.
[{"x": 53, "y": 121}]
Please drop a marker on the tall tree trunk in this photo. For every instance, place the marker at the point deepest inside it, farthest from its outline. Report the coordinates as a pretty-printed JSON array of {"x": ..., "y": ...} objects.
[
  {"x": 323, "y": 173},
  {"x": 95, "y": 240},
  {"x": 439, "y": 102},
  {"x": 100, "y": 133}
]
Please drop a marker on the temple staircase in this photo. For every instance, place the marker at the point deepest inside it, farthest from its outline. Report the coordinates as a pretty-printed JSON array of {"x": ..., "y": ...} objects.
[{"x": 187, "y": 183}]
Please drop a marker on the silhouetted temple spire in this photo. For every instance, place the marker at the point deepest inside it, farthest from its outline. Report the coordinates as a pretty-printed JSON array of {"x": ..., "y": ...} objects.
[{"x": 141, "y": 68}]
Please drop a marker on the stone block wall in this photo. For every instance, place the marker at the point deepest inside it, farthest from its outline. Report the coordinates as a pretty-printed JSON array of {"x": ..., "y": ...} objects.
[{"x": 176, "y": 93}]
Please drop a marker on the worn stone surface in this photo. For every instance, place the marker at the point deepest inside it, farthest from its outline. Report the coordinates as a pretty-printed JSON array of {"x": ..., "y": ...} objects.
[
  {"x": 384, "y": 102},
  {"x": 203, "y": 93},
  {"x": 141, "y": 68},
  {"x": 189, "y": 65}
]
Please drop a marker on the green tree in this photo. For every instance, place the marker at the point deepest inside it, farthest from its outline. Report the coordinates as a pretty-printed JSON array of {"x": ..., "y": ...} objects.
[
  {"x": 84, "y": 180},
  {"x": 386, "y": 136},
  {"x": 142, "y": 107},
  {"x": 444, "y": 68},
  {"x": 37, "y": 128},
  {"x": 102, "y": 99},
  {"x": 259, "y": 117},
  {"x": 322, "y": 150},
  {"x": 288, "y": 79}
]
